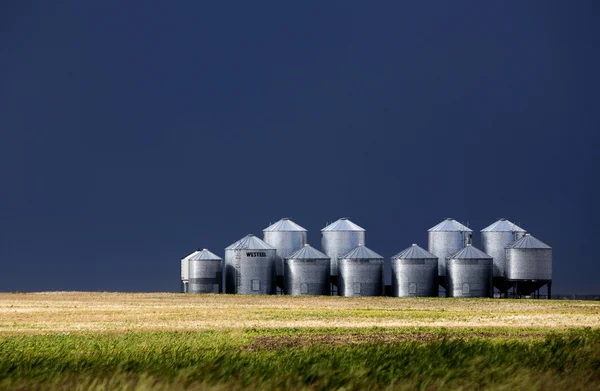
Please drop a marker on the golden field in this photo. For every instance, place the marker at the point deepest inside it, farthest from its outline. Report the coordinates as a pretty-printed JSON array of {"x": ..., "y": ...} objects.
[{"x": 67, "y": 312}]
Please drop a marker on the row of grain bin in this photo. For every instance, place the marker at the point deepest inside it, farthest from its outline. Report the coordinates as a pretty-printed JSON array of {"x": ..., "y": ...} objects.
[{"x": 284, "y": 260}]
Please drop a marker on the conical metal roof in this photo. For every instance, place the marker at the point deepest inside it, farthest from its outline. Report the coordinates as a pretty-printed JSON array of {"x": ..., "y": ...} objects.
[
  {"x": 250, "y": 242},
  {"x": 285, "y": 225},
  {"x": 342, "y": 224},
  {"x": 190, "y": 255},
  {"x": 362, "y": 252},
  {"x": 528, "y": 241},
  {"x": 414, "y": 252},
  {"x": 307, "y": 252},
  {"x": 205, "y": 255},
  {"x": 450, "y": 225},
  {"x": 503, "y": 225},
  {"x": 469, "y": 252}
]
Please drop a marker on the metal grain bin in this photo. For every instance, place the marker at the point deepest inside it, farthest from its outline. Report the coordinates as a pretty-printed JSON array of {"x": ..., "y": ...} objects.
[
  {"x": 528, "y": 259},
  {"x": 205, "y": 272},
  {"x": 185, "y": 268},
  {"x": 446, "y": 239},
  {"x": 414, "y": 273},
  {"x": 307, "y": 272},
  {"x": 287, "y": 237},
  {"x": 339, "y": 238},
  {"x": 469, "y": 273},
  {"x": 494, "y": 240},
  {"x": 250, "y": 267},
  {"x": 360, "y": 273}
]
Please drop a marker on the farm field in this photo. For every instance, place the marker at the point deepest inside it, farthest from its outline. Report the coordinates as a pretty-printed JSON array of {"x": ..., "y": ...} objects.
[{"x": 137, "y": 341}]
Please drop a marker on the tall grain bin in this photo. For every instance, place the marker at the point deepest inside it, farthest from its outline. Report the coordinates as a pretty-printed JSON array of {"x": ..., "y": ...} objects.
[
  {"x": 494, "y": 240},
  {"x": 414, "y": 273},
  {"x": 528, "y": 259},
  {"x": 446, "y": 239},
  {"x": 287, "y": 237},
  {"x": 360, "y": 273},
  {"x": 205, "y": 272},
  {"x": 250, "y": 267},
  {"x": 469, "y": 273},
  {"x": 185, "y": 268},
  {"x": 307, "y": 272},
  {"x": 338, "y": 239}
]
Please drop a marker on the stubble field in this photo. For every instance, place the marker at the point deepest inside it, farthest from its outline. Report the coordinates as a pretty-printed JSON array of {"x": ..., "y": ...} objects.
[{"x": 78, "y": 340}]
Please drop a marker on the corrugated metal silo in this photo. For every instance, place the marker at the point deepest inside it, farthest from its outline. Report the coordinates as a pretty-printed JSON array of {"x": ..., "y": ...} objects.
[
  {"x": 339, "y": 238},
  {"x": 250, "y": 267},
  {"x": 287, "y": 237},
  {"x": 185, "y": 270},
  {"x": 414, "y": 273},
  {"x": 307, "y": 272},
  {"x": 494, "y": 240},
  {"x": 205, "y": 272},
  {"x": 469, "y": 273},
  {"x": 528, "y": 259},
  {"x": 446, "y": 239},
  {"x": 360, "y": 273}
]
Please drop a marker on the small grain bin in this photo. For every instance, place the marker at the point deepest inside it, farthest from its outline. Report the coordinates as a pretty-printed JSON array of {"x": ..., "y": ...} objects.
[
  {"x": 250, "y": 267},
  {"x": 414, "y": 273},
  {"x": 469, "y": 273},
  {"x": 529, "y": 259},
  {"x": 205, "y": 272},
  {"x": 360, "y": 273},
  {"x": 307, "y": 272}
]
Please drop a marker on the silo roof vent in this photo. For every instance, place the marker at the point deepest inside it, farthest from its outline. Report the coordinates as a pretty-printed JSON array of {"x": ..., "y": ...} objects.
[
  {"x": 528, "y": 241},
  {"x": 307, "y": 252},
  {"x": 414, "y": 252},
  {"x": 205, "y": 255},
  {"x": 362, "y": 252},
  {"x": 469, "y": 252},
  {"x": 503, "y": 225},
  {"x": 342, "y": 224},
  {"x": 285, "y": 225},
  {"x": 250, "y": 242},
  {"x": 450, "y": 225}
]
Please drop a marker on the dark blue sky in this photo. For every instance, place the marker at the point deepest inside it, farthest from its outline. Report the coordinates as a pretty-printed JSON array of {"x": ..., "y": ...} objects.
[{"x": 133, "y": 133}]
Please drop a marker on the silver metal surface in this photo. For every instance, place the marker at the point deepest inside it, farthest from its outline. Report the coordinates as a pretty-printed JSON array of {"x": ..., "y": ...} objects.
[
  {"x": 528, "y": 259},
  {"x": 494, "y": 240},
  {"x": 339, "y": 238},
  {"x": 287, "y": 237},
  {"x": 205, "y": 269},
  {"x": 361, "y": 273},
  {"x": 185, "y": 267},
  {"x": 447, "y": 238},
  {"x": 414, "y": 273},
  {"x": 307, "y": 272},
  {"x": 250, "y": 267},
  {"x": 469, "y": 273}
]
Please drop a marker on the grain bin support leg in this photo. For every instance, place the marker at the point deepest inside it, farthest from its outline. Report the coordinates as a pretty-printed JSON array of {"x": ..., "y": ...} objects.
[{"x": 549, "y": 290}]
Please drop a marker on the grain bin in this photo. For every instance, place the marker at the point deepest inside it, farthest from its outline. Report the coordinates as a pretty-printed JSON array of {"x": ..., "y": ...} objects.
[
  {"x": 287, "y": 237},
  {"x": 360, "y": 273},
  {"x": 494, "y": 240},
  {"x": 469, "y": 273},
  {"x": 307, "y": 272},
  {"x": 205, "y": 272},
  {"x": 185, "y": 268},
  {"x": 446, "y": 239},
  {"x": 338, "y": 239},
  {"x": 250, "y": 267},
  {"x": 414, "y": 273},
  {"x": 528, "y": 259}
]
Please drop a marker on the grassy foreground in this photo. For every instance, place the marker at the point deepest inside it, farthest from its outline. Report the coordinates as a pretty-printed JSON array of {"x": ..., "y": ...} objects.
[{"x": 149, "y": 342}]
